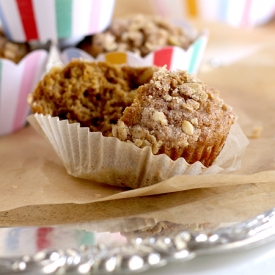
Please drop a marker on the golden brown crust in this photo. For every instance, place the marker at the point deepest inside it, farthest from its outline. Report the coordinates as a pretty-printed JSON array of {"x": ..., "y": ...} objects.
[{"x": 178, "y": 115}]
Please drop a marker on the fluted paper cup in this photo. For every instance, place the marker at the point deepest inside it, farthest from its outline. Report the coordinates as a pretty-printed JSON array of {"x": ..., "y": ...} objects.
[
  {"x": 173, "y": 57},
  {"x": 25, "y": 20},
  {"x": 91, "y": 156},
  {"x": 241, "y": 13},
  {"x": 16, "y": 82}
]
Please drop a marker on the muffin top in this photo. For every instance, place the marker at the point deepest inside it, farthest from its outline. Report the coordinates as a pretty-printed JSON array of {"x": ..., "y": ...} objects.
[
  {"x": 140, "y": 34},
  {"x": 176, "y": 114}
]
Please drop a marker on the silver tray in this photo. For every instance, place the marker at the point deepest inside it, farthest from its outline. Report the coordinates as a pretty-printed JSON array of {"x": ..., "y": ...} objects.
[{"x": 125, "y": 246}]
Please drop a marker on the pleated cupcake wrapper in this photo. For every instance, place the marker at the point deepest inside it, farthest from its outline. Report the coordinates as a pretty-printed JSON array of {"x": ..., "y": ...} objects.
[
  {"x": 244, "y": 13},
  {"x": 16, "y": 82},
  {"x": 172, "y": 56},
  {"x": 89, "y": 155},
  {"x": 26, "y": 20}
]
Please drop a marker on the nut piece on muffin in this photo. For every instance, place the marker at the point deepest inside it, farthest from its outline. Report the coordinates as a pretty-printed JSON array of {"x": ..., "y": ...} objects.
[
  {"x": 140, "y": 34},
  {"x": 177, "y": 115},
  {"x": 171, "y": 111}
]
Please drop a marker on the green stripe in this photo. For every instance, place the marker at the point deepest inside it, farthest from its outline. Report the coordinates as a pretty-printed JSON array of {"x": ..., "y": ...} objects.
[
  {"x": 85, "y": 237},
  {"x": 63, "y": 13},
  {"x": 196, "y": 51}
]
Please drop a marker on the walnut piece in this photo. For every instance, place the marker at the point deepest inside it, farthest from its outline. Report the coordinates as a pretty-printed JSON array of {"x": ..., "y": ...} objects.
[{"x": 187, "y": 128}]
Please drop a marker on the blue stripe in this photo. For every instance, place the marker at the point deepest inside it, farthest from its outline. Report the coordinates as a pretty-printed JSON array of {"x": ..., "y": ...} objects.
[
  {"x": 223, "y": 10},
  {"x": 4, "y": 23},
  {"x": 72, "y": 53}
]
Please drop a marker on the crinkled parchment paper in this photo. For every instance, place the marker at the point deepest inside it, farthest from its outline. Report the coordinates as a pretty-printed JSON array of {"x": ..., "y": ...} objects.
[{"x": 32, "y": 173}]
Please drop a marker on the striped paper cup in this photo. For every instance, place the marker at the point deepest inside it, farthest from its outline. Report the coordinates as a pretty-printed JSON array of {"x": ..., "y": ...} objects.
[
  {"x": 25, "y": 20},
  {"x": 241, "y": 13},
  {"x": 173, "y": 57},
  {"x": 16, "y": 82}
]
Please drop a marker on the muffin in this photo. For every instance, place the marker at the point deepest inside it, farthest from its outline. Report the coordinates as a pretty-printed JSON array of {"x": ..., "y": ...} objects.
[
  {"x": 93, "y": 94},
  {"x": 178, "y": 115},
  {"x": 132, "y": 127},
  {"x": 11, "y": 50},
  {"x": 140, "y": 34},
  {"x": 172, "y": 112}
]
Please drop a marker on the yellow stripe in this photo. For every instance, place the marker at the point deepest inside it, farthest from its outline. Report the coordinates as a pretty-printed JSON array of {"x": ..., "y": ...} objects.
[
  {"x": 192, "y": 7},
  {"x": 116, "y": 58}
]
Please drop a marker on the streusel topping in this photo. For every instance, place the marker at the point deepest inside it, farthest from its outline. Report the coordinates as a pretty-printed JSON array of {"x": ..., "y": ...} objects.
[
  {"x": 140, "y": 34},
  {"x": 175, "y": 113}
]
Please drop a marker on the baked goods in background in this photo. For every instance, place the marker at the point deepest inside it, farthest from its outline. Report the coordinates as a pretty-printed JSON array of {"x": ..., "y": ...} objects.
[
  {"x": 140, "y": 34},
  {"x": 171, "y": 111},
  {"x": 11, "y": 50}
]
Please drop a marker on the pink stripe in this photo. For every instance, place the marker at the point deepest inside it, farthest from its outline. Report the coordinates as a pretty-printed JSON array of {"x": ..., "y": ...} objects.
[
  {"x": 246, "y": 13},
  {"x": 95, "y": 15},
  {"x": 25, "y": 88}
]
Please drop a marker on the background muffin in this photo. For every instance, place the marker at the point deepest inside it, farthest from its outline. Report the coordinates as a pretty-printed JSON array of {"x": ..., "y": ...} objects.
[
  {"x": 140, "y": 34},
  {"x": 11, "y": 50}
]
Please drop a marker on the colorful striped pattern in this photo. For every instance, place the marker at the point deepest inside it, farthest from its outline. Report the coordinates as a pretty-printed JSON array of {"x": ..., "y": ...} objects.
[
  {"x": 25, "y": 20},
  {"x": 242, "y": 13},
  {"x": 16, "y": 82},
  {"x": 192, "y": 8},
  {"x": 233, "y": 12},
  {"x": 173, "y": 57},
  {"x": 43, "y": 237}
]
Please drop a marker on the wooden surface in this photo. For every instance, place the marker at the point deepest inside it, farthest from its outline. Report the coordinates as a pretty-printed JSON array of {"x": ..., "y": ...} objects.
[{"x": 251, "y": 71}]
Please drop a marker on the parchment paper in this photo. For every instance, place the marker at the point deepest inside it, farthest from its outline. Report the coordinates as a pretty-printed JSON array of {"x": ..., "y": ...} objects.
[{"x": 32, "y": 174}]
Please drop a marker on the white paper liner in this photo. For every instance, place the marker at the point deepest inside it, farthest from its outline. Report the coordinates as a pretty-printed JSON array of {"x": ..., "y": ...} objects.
[{"x": 91, "y": 156}]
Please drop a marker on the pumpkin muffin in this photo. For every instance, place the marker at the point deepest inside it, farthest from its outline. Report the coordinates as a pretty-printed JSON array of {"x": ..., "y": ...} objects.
[
  {"x": 172, "y": 112},
  {"x": 139, "y": 33},
  {"x": 93, "y": 94},
  {"x": 177, "y": 115}
]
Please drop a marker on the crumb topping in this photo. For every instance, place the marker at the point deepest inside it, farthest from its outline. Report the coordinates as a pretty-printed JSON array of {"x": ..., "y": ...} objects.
[
  {"x": 180, "y": 112},
  {"x": 140, "y": 34}
]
